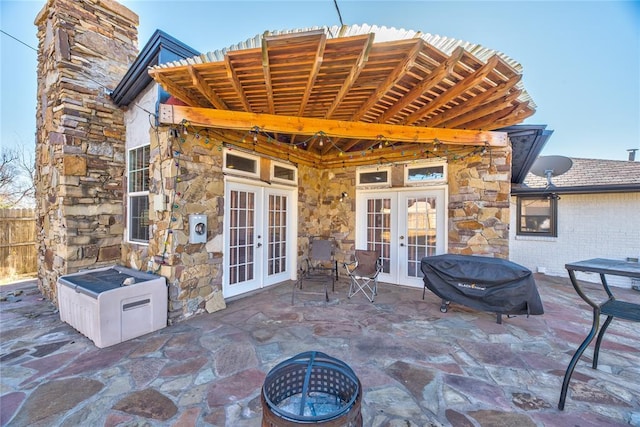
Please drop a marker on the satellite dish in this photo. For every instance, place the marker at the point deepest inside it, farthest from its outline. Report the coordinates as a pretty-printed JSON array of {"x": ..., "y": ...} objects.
[{"x": 550, "y": 166}]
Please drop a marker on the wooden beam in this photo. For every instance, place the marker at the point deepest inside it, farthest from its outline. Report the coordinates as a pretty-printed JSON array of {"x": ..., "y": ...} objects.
[
  {"x": 299, "y": 156},
  {"x": 235, "y": 83},
  {"x": 266, "y": 71},
  {"x": 436, "y": 76},
  {"x": 461, "y": 87},
  {"x": 473, "y": 103},
  {"x": 378, "y": 156},
  {"x": 350, "y": 144},
  {"x": 207, "y": 117},
  {"x": 391, "y": 80},
  {"x": 520, "y": 115},
  {"x": 313, "y": 75},
  {"x": 176, "y": 90},
  {"x": 205, "y": 90},
  {"x": 269, "y": 148},
  {"x": 355, "y": 71},
  {"x": 491, "y": 119},
  {"x": 495, "y": 105}
]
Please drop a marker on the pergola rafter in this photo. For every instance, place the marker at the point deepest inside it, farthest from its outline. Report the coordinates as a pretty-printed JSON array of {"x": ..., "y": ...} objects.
[{"x": 409, "y": 91}]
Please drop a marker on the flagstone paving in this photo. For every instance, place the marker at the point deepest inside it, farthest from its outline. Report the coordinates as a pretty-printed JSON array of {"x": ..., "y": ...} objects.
[{"x": 417, "y": 366}]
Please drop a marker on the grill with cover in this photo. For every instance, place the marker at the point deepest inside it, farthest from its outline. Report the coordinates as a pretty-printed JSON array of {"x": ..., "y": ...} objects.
[{"x": 486, "y": 284}]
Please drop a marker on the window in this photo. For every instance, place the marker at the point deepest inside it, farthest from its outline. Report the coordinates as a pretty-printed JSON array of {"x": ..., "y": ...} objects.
[
  {"x": 374, "y": 177},
  {"x": 283, "y": 173},
  {"x": 138, "y": 195},
  {"x": 241, "y": 164},
  {"x": 425, "y": 173},
  {"x": 537, "y": 216}
]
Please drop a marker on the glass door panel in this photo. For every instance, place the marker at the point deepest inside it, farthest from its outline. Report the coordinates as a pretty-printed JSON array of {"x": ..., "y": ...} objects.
[
  {"x": 277, "y": 253},
  {"x": 257, "y": 232},
  {"x": 242, "y": 211},
  {"x": 421, "y": 236},
  {"x": 405, "y": 226},
  {"x": 378, "y": 213}
]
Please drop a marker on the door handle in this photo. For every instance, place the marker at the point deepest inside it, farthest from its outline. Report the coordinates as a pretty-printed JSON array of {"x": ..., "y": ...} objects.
[
  {"x": 401, "y": 244},
  {"x": 259, "y": 245}
]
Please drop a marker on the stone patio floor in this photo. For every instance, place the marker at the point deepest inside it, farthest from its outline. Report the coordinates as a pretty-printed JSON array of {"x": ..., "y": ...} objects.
[{"x": 417, "y": 366}]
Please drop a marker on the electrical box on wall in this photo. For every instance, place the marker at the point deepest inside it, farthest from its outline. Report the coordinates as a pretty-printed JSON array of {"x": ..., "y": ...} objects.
[
  {"x": 197, "y": 228},
  {"x": 159, "y": 202}
]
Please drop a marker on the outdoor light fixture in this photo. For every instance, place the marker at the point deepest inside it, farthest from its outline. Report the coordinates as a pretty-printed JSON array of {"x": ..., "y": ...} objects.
[{"x": 343, "y": 196}]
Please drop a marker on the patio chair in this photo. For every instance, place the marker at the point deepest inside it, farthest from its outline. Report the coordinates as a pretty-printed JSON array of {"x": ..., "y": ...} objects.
[
  {"x": 321, "y": 259},
  {"x": 363, "y": 273},
  {"x": 321, "y": 266}
]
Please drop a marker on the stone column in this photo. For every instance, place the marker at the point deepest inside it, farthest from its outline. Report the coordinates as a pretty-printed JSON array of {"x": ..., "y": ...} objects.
[
  {"x": 479, "y": 189},
  {"x": 84, "y": 49}
]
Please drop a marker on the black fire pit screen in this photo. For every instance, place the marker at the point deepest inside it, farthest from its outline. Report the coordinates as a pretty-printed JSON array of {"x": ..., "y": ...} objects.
[{"x": 311, "y": 388}]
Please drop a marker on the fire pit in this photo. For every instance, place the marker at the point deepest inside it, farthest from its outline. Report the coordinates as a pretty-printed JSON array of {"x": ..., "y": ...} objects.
[{"x": 311, "y": 388}]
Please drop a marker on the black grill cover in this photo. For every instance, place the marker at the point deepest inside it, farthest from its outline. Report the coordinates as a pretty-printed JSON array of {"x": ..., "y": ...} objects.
[{"x": 482, "y": 283}]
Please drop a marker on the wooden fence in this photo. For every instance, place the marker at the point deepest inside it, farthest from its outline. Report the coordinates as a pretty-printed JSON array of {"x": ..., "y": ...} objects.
[{"x": 17, "y": 243}]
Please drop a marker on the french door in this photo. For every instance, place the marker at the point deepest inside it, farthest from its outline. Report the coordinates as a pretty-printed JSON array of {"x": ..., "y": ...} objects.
[
  {"x": 404, "y": 226},
  {"x": 259, "y": 237}
]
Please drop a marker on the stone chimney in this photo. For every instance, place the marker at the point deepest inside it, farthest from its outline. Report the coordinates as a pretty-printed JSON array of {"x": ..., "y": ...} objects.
[{"x": 84, "y": 49}]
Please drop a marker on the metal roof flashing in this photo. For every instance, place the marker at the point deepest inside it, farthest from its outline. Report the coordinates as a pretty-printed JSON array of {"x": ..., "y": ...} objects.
[
  {"x": 160, "y": 48},
  {"x": 527, "y": 141}
]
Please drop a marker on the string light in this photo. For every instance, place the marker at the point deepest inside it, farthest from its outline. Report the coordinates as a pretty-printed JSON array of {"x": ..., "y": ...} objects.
[
  {"x": 178, "y": 136},
  {"x": 322, "y": 139}
]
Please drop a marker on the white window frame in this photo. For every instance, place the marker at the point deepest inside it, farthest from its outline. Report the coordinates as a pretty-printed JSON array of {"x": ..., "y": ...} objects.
[
  {"x": 234, "y": 171},
  {"x": 431, "y": 181},
  {"x": 380, "y": 184},
  {"x": 136, "y": 194},
  {"x": 273, "y": 177}
]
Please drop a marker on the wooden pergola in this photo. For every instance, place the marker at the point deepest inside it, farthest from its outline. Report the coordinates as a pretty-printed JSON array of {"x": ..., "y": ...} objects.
[{"x": 328, "y": 96}]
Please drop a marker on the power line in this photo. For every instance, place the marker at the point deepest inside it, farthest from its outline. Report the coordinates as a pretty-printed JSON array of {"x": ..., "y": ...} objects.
[
  {"x": 86, "y": 76},
  {"x": 18, "y": 40},
  {"x": 338, "y": 10}
]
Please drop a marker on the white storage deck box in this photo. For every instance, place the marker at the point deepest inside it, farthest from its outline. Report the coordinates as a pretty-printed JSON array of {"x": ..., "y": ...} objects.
[{"x": 113, "y": 304}]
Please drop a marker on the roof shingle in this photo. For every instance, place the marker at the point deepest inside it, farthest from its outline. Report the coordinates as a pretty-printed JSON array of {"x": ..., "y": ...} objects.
[{"x": 591, "y": 172}]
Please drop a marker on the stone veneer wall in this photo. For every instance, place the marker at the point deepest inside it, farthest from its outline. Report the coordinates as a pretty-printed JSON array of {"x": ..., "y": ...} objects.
[
  {"x": 478, "y": 205},
  {"x": 479, "y": 191},
  {"x": 322, "y": 213},
  {"x": 187, "y": 171},
  {"x": 84, "y": 49}
]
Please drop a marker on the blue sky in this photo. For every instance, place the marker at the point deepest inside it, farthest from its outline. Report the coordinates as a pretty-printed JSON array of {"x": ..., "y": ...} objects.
[{"x": 581, "y": 59}]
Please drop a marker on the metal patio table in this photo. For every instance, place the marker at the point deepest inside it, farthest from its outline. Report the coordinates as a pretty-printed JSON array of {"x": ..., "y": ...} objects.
[{"x": 611, "y": 307}]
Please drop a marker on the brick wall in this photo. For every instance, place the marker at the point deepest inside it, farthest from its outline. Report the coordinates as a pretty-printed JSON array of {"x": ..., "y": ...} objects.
[{"x": 589, "y": 226}]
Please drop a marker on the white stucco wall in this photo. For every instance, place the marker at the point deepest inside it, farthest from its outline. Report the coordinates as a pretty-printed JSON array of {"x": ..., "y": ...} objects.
[
  {"x": 589, "y": 226},
  {"x": 138, "y": 123},
  {"x": 137, "y": 120}
]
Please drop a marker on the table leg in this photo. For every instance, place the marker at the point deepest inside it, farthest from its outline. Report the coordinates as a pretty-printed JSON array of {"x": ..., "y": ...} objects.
[
  {"x": 596, "y": 351},
  {"x": 576, "y": 357}
]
